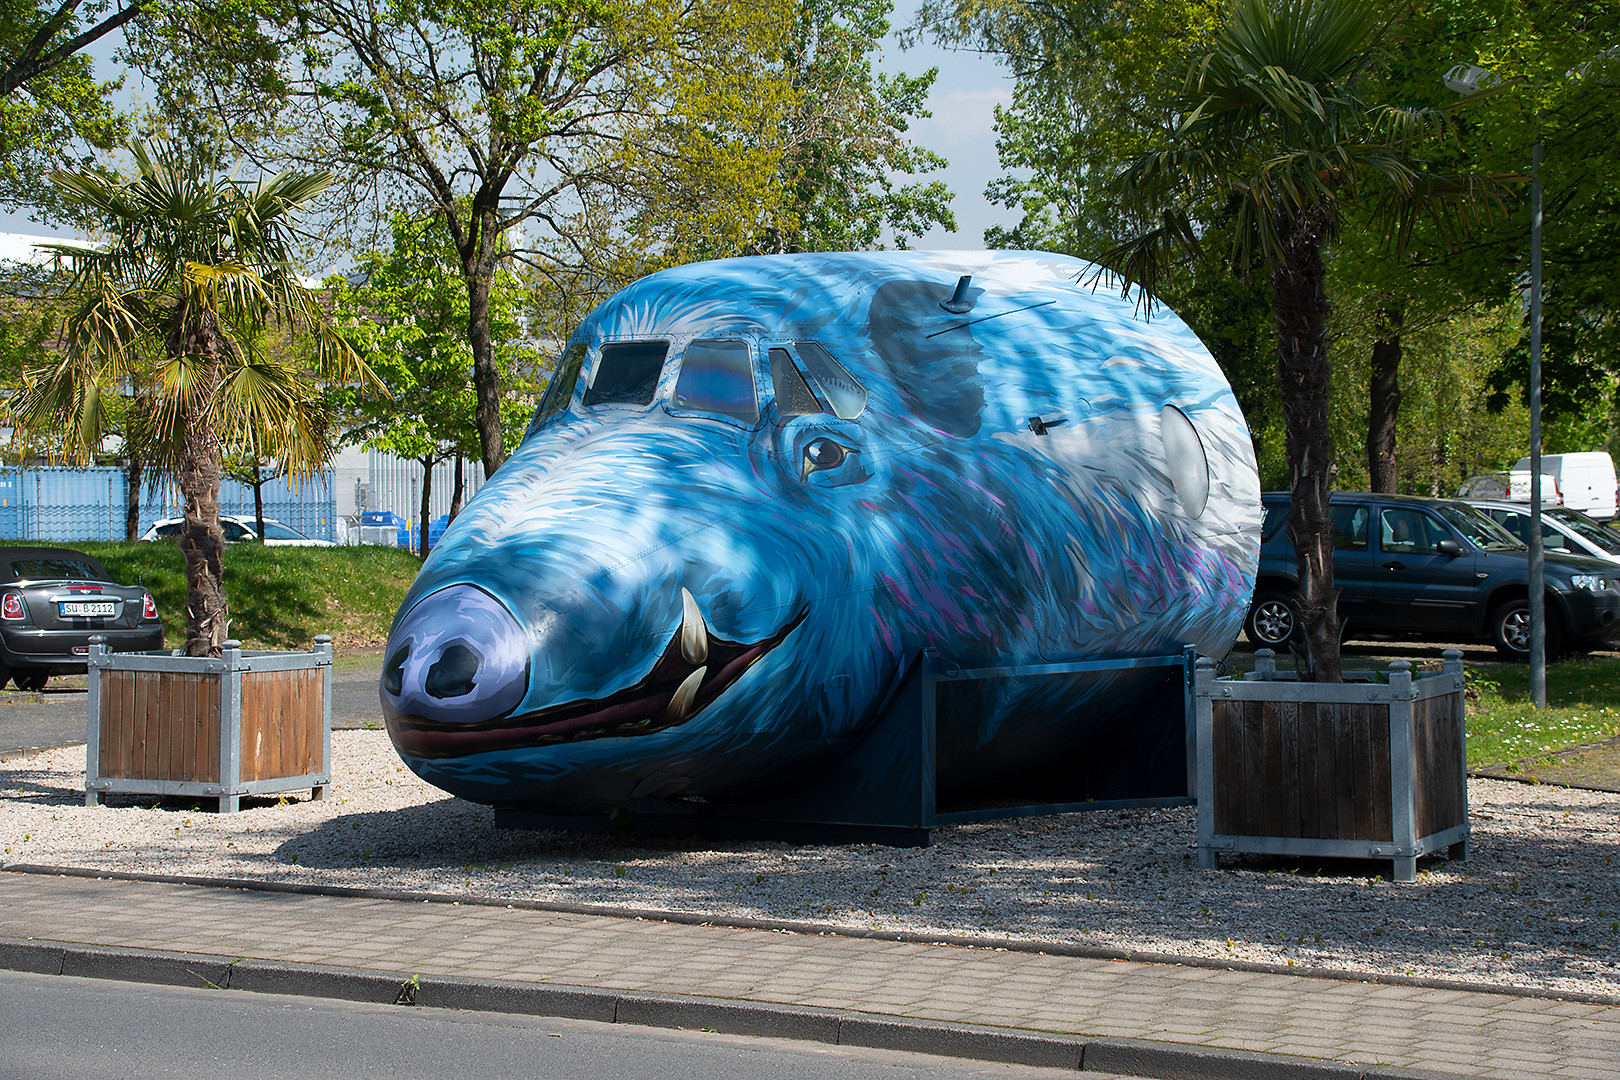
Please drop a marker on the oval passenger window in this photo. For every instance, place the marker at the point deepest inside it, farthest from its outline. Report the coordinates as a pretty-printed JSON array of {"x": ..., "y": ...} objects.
[{"x": 1184, "y": 457}]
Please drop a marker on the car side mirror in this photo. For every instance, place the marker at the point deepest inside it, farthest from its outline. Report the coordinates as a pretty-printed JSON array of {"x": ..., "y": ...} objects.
[{"x": 1449, "y": 548}]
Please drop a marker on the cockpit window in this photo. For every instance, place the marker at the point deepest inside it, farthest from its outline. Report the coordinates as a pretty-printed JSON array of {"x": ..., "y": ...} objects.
[
  {"x": 561, "y": 390},
  {"x": 718, "y": 377},
  {"x": 836, "y": 386},
  {"x": 626, "y": 373},
  {"x": 793, "y": 396}
]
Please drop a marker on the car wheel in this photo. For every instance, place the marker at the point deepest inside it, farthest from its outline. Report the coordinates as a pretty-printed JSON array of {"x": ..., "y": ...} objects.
[
  {"x": 1272, "y": 618},
  {"x": 30, "y": 680},
  {"x": 1510, "y": 631}
]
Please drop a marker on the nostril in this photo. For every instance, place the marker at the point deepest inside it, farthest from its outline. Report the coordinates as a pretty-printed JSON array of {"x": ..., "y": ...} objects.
[
  {"x": 456, "y": 657},
  {"x": 393, "y": 678},
  {"x": 454, "y": 673}
]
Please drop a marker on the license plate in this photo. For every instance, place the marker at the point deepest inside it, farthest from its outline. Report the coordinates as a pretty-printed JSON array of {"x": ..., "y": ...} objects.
[{"x": 87, "y": 609}]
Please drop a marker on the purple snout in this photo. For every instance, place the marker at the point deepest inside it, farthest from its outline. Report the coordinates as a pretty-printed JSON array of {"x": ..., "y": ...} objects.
[{"x": 458, "y": 657}]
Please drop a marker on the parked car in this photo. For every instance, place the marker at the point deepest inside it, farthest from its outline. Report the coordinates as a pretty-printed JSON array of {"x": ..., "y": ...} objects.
[
  {"x": 238, "y": 529},
  {"x": 1418, "y": 568},
  {"x": 52, "y": 600},
  {"x": 1563, "y": 530},
  {"x": 1586, "y": 481},
  {"x": 1513, "y": 486}
]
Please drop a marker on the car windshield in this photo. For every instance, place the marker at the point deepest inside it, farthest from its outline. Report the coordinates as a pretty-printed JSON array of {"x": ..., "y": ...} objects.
[
  {"x": 1477, "y": 528},
  {"x": 274, "y": 530},
  {"x": 53, "y": 569},
  {"x": 1584, "y": 527},
  {"x": 718, "y": 377},
  {"x": 1276, "y": 516}
]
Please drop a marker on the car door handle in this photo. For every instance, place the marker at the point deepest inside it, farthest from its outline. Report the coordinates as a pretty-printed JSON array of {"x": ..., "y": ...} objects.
[{"x": 1395, "y": 566}]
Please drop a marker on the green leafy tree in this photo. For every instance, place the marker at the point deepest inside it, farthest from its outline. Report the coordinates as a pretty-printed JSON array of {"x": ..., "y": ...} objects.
[
  {"x": 1085, "y": 75},
  {"x": 195, "y": 267},
  {"x": 410, "y": 308},
  {"x": 50, "y": 100},
  {"x": 1272, "y": 120},
  {"x": 1557, "y": 71},
  {"x": 531, "y": 127},
  {"x": 845, "y": 138}
]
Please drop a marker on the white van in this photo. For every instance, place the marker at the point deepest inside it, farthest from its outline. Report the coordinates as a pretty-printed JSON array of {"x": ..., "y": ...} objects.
[{"x": 1586, "y": 481}]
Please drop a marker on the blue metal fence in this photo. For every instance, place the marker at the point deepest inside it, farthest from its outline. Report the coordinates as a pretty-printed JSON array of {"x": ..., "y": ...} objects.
[{"x": 88, "y": 504}]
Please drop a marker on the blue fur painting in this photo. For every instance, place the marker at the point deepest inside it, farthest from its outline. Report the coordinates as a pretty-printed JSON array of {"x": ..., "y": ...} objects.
[{"x": 759, "y": 488}]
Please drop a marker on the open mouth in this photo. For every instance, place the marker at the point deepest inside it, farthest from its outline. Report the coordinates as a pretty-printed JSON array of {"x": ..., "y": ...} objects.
[{"x": 696, "y": 668}]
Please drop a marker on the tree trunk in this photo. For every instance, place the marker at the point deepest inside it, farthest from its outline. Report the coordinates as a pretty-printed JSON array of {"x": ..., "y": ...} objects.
[
  {"x": 258, "y": 502},
  {"x": 459, "y": 490},
  {"x": 201, "y": 542},
  {"x": 133, "y": 468},
  {"x": 1300, "y": 308},
  {"x": 1384, "y": 397},
  {"x": 427, "y": 506},
  {"x": 479, "y": 268}
]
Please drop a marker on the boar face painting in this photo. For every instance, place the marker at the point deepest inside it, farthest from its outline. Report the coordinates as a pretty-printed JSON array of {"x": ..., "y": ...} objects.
[{"x": 758, "y": 488}]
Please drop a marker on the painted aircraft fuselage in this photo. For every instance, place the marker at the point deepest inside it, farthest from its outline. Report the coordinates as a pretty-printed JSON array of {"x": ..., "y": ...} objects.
[{"x": 760, "y": 487}]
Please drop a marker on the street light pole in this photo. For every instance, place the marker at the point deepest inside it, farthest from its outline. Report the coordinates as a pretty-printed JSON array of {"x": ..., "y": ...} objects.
[
  {"x": 1471, "y": 79},
  {"x": 1538, "y": 595}
]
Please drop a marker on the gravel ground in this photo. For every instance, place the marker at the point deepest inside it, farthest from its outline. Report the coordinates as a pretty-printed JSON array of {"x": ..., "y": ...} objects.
[{"x": 1537, "y": 903}]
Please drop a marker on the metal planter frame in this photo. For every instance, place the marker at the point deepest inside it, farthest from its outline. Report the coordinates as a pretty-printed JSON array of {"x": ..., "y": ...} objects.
[
  {"x": 1413, "y": 775},
  {"x": 205, "y": 701}
]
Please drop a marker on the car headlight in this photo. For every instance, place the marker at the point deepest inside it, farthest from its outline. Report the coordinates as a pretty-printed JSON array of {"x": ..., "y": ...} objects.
[{"x": 1590, "y": 582}]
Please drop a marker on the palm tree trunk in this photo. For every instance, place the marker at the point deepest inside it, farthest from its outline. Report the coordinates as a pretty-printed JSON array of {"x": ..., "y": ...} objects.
[
  {"x": 1384, "y": 400},
  {"x": 1300, "y": 308},
  {"x": 201, "y": 541}
]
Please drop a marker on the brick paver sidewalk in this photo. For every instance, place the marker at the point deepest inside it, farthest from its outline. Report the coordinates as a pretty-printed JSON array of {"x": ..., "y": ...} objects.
[{"x": 1462, "y": 1032}]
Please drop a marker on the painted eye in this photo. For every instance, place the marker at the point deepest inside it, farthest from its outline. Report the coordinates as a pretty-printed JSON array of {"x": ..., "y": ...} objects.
[{"x": 822, "y": 453}]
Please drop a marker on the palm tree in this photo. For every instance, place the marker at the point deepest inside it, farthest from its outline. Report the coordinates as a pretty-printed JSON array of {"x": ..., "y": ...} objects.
[
  {"x": 195, "y": 268},
  {"x": 1274, "y": 131}
]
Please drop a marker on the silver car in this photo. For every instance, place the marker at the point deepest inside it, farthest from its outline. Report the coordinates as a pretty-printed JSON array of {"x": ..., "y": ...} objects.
[
  {"x": 238, "y": 529},
  {"x": 1563, "y": 530}
]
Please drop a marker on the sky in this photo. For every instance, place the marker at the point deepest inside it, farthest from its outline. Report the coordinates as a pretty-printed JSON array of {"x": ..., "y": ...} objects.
[{"x": 961, "y": 130}]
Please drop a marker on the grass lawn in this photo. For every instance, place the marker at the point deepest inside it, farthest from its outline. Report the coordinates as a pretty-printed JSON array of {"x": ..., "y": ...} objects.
[
  {"x": 1583, "y": 706},
  {"x": 279, "y": 597}
]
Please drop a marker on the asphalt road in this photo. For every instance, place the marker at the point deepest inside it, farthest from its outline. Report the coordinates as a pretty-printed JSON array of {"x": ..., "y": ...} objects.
[
  {"x": 56, "y": 716},
  {"x": 55, "y": 1027}
]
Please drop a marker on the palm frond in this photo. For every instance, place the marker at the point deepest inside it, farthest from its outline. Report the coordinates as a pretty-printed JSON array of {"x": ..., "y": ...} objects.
[
  {"x": 64, "y": 407},
  {"x": 1143, "y": 260}
]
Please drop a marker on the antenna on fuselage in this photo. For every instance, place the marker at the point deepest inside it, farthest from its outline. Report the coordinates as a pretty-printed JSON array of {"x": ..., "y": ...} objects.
[{"x": 959, "y": 304}]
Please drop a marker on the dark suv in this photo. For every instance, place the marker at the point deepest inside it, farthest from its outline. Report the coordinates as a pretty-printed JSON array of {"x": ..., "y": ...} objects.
[{"x": 1415, "y": 568}]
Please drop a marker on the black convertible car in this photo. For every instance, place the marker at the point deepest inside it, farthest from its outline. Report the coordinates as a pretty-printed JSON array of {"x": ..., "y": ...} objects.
[{"x": 52, "y": 600}]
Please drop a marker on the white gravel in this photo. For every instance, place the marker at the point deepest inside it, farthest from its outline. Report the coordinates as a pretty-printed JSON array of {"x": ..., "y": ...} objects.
[{"x": 1537, "y": 903}]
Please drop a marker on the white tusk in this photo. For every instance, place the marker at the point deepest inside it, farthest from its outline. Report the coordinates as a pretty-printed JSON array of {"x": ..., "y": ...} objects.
[
  {"x": 680, "y": 704},
  {"x": 694, "y": 631}
]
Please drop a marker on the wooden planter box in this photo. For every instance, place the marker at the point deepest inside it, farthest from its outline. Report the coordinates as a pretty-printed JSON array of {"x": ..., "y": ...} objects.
[
  {"x": 1367, "y": 769},
  {"x": 247, "y": 723}
]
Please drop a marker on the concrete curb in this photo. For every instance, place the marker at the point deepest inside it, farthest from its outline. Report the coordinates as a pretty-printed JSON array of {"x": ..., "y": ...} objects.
[
  {"x": 810, "y": 929},
  {"x": 1129, "y": 1057}
]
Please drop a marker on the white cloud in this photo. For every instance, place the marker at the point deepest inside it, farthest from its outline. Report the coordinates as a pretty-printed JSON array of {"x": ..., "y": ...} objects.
[{"x": 962, "y": 117}]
